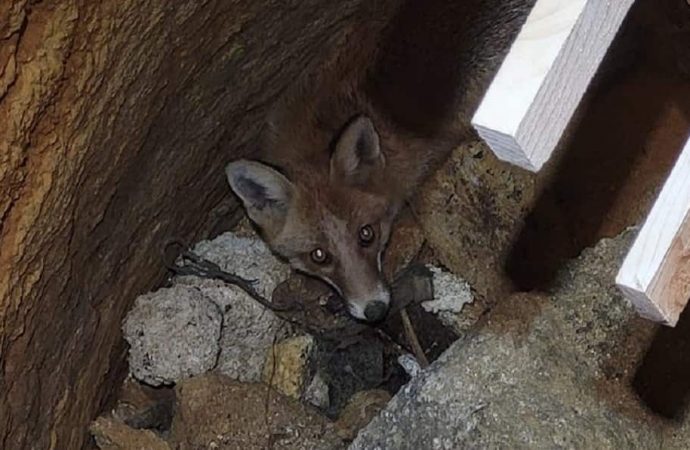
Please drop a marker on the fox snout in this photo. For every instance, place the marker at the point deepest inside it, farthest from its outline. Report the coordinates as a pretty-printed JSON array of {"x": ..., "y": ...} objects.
[
  {"x": 372, "y": 309},
  {"x": 376, "y": 311}
]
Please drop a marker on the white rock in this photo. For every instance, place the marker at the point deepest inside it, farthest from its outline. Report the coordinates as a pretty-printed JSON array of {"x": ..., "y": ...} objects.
[
  {"x": 451, "y": 294},
  {"x": 249, "y": 329},
  {"x": 173, "y": 334},
  {"x": 247, "y": 257},
  {"x": 410, "y": 364}
]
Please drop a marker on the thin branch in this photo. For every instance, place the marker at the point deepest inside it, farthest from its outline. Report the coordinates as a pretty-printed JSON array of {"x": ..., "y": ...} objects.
[{"x": 411, "y": 337}]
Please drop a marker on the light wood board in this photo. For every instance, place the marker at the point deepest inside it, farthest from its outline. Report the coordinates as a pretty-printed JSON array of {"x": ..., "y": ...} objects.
[
  {"x": 543, "y": 78},
  {"x": 655, "y": 275}
]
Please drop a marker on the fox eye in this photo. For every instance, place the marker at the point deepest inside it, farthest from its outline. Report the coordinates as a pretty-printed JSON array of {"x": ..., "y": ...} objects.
[
  {"x": 319, "y": 256},
  {"x": 366, "y": 235}
]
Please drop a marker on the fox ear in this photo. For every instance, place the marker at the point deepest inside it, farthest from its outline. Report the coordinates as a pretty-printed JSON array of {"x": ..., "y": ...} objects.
[
  {"x": 265, "y": 193},
  {"x": 357, "y": 153}
]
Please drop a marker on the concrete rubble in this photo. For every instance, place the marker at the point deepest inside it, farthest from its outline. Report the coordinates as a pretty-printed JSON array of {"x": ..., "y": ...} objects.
[
  {"x": 194, "y": 326},
  {"x": 535, "y": 372},
  {"x": 173, "y": 334},
  {"x": 451, "y": 293}
]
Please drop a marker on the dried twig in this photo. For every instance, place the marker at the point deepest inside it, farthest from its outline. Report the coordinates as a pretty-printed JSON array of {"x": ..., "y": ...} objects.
[
  {"x": 193, "y": 264},
  {"x": 267, "y": 402},
  {"x": 411, "y": 337}
]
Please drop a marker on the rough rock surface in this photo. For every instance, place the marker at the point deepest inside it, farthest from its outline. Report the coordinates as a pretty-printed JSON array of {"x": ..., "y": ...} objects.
[
  {"x": 143, "y": 407},
  {"x": 532, "y": 376},
  {"x": 471, "y": 210},
  {"x": 214, "y": 411},
  {"x": 249, "y": 329},
  {"x": 173, "y": 334},
  {"x": 112, "y": 434},
  {"x": 116, "y": 118},
  {"x": 405, "y": 243},
  {"x": 200, "y": 324},
  {"x": 247, "y": 256},
  {"x": 362, "y": 407},
  {"x": 287, "y": 365}
]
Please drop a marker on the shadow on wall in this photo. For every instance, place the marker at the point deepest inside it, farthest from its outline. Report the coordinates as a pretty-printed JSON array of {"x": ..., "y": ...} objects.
[
  {"x": 662, "y": 380},
  {"x": 434, "y": 46},
  {"x": 613, "y": 165},
  {"x": 614, "y": 161}
]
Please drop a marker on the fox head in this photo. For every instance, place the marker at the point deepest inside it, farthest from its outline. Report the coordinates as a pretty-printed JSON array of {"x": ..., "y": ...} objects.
[{"x": 332, "y": 221}]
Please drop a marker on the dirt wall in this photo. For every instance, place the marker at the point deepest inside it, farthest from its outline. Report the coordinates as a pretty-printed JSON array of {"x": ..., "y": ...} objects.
[{"x": 113, "y": 115}]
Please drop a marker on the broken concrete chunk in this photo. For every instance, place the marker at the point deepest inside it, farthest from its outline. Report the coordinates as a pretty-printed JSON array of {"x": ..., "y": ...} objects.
[
  {"x": 173, "y": 334},
  {"x": 247, "y": 257},
  {"x": 362, "y": 407},
  {"x": 451, "y": 293},
  {"x": 216, "y": 412},
  {"x": 287, "y": 365},
  {"x": 112, "y": 434},
  {"x": 249, "y": 329}
]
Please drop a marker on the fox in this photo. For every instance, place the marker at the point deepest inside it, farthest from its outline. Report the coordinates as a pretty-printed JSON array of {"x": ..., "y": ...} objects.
[
  {"x": 329, "y": 211},
  {"x": 339, "y": 162}
]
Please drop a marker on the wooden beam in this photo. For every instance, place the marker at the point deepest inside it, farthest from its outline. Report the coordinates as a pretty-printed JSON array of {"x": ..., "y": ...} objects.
[
  {"x": 655, "y": 275},
  {"x": 541, "y": 81}
]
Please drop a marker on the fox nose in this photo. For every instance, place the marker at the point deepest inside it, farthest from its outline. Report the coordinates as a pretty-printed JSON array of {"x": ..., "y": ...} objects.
[{"x": 375, "y": 311}]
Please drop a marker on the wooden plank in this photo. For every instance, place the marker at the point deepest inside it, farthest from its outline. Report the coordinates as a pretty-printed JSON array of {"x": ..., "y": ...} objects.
[
  {"x": 655, "y": 275},
  {"x": 541, "y": 81}
]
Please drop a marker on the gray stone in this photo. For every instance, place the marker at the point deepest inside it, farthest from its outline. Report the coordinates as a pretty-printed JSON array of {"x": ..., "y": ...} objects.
[
  {"x": 248, "y": 329},
  {"x": 316, "y": 393},
  {"x": 246, "y": 255},
  {"x": 173, "y": 334},
  {"x": 200, "y": 324},
  {"x": 410, "y": 364},
  {"x": 530, "y": 377}
]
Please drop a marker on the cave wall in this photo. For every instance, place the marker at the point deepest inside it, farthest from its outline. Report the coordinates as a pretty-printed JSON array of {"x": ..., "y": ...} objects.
[{"x": 116, "y": 118}]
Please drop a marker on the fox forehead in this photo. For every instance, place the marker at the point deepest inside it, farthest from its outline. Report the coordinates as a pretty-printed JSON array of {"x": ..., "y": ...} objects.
[
  {"x": 321, "y": 201},
  {"x": 321, "y": 216}
]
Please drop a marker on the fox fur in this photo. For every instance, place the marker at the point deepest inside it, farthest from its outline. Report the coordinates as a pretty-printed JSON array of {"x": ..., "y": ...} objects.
[{"x": 340, "y": 156}]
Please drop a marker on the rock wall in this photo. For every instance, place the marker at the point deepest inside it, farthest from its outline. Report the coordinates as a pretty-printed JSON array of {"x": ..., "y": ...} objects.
[
  {"x": 116, "y": 117},
  {"x": 549, "y": 370}
]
